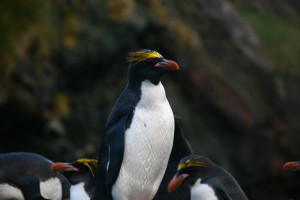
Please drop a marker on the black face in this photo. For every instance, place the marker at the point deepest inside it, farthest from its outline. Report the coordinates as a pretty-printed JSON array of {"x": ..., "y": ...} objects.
[
  {"x": 146, "y": 71},
  {"x": 149, "y": 65},
  {"x": 194, "y": 165},
  {"x": 194, "y": 173},
  {"x": 190, "y": 169},
  {"x": 82, "y": 175}
]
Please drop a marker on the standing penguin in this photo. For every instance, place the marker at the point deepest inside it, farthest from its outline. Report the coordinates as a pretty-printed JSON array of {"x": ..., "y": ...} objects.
[
  {"x": 138, "y": 138},
  {"x": 207, "y": 180},
  {"x": 28, "y": 176},
  {"x": 82, "y": 176}
]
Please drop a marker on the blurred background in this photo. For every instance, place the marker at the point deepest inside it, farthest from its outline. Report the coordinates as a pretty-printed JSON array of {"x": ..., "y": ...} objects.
[{"x": 62, "y": 67}]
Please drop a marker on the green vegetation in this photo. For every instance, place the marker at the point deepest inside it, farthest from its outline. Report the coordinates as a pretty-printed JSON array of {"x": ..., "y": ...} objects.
[
  {"x": 21, "y": 23},
  {"x": 279, "y": 40}
]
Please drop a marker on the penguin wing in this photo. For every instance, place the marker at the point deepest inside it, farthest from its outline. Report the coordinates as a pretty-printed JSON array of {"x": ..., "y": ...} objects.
[
  {"x": 225, "y": 195},
  {"x": 115, "y": 149},
  {"x": 29, "y": 184}
]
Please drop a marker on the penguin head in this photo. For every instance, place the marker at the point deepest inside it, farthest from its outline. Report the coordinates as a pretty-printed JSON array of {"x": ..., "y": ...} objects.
[
  {"x": 190, "y": 169},
  {"x": 292, "y": 166},
  {"x": 149, "y": 65},
  {"x": 80, "y": 171}
]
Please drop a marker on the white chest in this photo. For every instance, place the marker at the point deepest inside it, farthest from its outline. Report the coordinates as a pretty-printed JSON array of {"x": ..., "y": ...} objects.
[
  {"x": 148, "y": 144},
  {"x": 202, "y": 192},
  {"x": 78, "y": 192},
  {"x": 9, "y": 192},
  {"x": 51, "y": 189}
]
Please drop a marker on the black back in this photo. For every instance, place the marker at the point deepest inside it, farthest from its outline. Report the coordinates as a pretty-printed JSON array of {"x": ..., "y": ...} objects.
[
  {"x": 35, "y": 167},
  {"x": 29, "y": 185},
  {"x": 223, "y": 183}
]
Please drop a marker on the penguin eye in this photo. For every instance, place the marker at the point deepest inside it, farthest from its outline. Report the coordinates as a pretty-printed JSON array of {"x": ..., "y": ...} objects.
[{"x": 150, "y": 62}]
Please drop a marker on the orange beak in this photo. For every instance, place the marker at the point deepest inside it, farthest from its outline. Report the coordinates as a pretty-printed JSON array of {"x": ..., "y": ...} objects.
[
  {"x": 63, "y": 167},
  {"x": 168, "y": 64},
  {"x": 292, "y": 166},
  {"x": 176, "y": 182}
]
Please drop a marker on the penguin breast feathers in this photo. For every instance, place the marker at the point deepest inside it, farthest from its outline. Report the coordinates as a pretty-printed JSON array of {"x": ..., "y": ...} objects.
[{"x": 148, "y": 143}]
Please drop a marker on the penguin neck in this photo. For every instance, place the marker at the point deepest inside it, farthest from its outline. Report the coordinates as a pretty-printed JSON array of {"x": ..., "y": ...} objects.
[
  {"x": 201, "y": 191},
  {"x": 137, "y": 84},
  {"x": 136, "y": 77},
  {"x": 84, "y": 181},
  {"x": 90, "y": 186},
  {"x": 151, "y": 94},
  {"x": 202, "y": 174},
  {"x": 78, "y": 191}
]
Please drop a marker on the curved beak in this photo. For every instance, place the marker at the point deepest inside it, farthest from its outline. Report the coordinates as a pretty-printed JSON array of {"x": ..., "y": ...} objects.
[
  {"x": 292, "y": 166},
  {"x": 176, "y": 182},
  {"x": 63, "y": 167},
  {"x": 168, "y": 64}
]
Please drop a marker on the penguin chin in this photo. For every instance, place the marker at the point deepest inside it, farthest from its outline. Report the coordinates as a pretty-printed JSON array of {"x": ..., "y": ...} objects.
[{"x": 176, "y": 182}]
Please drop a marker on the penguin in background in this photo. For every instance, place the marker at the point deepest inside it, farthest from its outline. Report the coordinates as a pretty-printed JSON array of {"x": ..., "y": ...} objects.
[
  {"x": 138, "y": 138},
  {"x": 293, "y": 166},
  {"x": 27, "y": 176},
  {"x": 82, "y": 176},
  {"x": 207, "y": 180}
]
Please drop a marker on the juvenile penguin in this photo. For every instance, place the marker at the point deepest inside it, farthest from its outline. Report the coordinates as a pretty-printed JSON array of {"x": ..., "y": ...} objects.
[
  {"x": 207, "y": 180},
  {"x": 82, "y": 176},
  {"x": 138, "y": 138},
  {"x": 28, "y": 176}
]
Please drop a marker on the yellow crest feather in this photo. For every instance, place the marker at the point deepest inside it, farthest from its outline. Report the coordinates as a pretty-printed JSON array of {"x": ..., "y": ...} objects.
[
  {"x": 140, "y": 56},
  {"x": 191, "y": 163},
  {"x": 88, "y": 162}
]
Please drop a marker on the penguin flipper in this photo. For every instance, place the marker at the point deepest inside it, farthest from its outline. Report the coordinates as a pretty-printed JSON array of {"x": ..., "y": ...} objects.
[
  {"x": 30, "y": 186},
  {"x": 115, "y": 138},
  {"x": 225, "y": 195}
]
